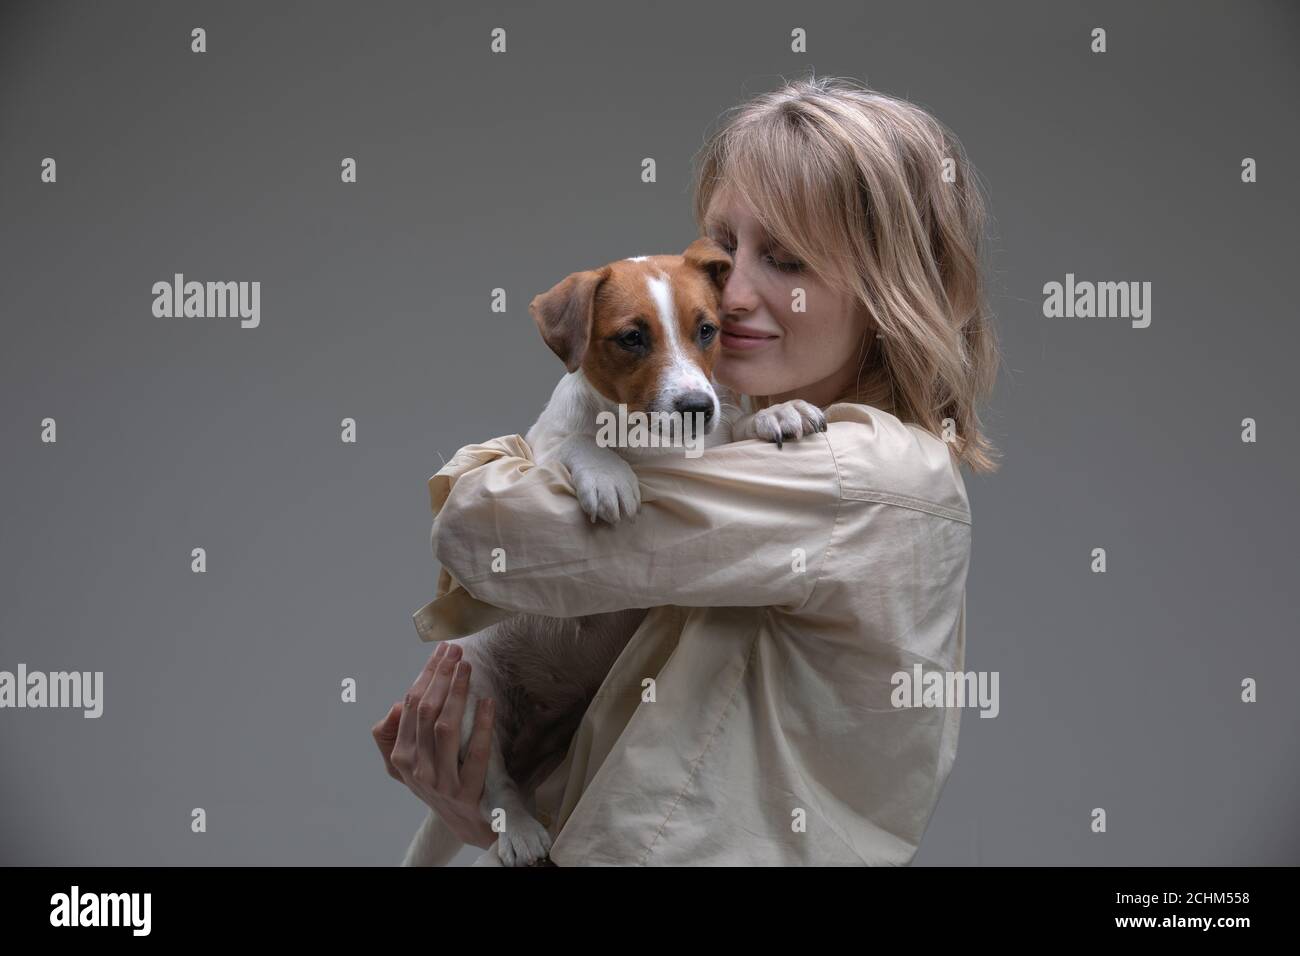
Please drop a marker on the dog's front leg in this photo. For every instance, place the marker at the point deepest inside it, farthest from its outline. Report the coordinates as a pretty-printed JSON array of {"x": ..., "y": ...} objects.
[{"x": 606, "y": 485}]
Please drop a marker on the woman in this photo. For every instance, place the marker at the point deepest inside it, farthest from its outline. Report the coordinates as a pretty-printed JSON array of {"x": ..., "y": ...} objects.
[{"x": 752, "y": 718}]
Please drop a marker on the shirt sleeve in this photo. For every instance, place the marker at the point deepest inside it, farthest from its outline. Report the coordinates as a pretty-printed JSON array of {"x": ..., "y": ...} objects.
[{"x": 743, "y": 524}]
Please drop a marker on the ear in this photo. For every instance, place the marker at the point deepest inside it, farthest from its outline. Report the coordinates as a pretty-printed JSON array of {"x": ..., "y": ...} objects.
[
  {"x": 706, "y": 254},
  {"x": 564, "y": 314}
]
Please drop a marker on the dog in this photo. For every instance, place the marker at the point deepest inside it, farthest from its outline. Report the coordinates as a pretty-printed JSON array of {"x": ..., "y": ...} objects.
[{"x": 643, "y": 333}]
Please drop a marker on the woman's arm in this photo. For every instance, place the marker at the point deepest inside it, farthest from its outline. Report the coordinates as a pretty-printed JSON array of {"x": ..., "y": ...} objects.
[{"x": 745, "y": 524}]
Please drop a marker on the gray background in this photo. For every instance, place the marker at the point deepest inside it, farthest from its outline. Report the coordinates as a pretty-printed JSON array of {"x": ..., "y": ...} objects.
[{"x": 222, "y": 689}]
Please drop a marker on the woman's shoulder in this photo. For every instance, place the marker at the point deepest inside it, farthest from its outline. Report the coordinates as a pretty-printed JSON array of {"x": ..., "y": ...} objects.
[{"x": 881, "y": 458}]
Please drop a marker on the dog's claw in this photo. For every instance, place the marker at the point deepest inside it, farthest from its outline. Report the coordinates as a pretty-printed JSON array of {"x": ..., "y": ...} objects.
[
  {"x": 609, "y": 491},
  {"x": 524, "y": 843},
  {"x": 792, "y": 420}
]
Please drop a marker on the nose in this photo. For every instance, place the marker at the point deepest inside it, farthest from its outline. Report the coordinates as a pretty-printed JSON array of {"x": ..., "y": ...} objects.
[
  {"x": 738, "y": 294},
  {"x": 696, "y": 401}
]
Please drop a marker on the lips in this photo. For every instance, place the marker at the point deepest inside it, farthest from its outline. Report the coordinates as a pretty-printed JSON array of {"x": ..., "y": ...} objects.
[{"x": 737, "y": 338}]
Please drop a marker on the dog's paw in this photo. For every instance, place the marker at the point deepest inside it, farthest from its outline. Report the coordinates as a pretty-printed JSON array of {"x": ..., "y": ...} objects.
[
  {"x": 792, "y": 419},
  {"x": 608, "y": 490},
  {"x": 524, "y": 843}
]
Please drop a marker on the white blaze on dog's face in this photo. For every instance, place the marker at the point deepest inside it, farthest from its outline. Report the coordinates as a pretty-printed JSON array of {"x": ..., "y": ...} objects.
[{"x": 645, "y": 331}]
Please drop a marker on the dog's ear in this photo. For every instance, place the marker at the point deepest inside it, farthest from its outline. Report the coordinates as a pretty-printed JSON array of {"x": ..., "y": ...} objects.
[
  {"x": 706, "y": 254},
  {"x": 564, "y": 314}
]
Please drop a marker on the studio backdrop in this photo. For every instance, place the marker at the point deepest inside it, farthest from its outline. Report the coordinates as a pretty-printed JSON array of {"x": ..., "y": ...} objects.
[{"x": 222, "y": 521}]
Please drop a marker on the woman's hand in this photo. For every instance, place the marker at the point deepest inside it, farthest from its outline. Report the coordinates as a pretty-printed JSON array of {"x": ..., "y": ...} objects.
[{"x": 420, "y": 743}]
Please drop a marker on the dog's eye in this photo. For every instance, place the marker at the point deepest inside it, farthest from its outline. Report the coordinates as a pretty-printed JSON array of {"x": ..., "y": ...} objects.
[
  {"x": 631, "y": 340},
  {"x": 707, "y": 332}
]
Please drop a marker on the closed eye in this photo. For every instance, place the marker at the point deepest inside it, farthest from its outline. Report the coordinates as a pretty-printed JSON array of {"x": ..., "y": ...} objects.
[{"x": 781, "y": 265}]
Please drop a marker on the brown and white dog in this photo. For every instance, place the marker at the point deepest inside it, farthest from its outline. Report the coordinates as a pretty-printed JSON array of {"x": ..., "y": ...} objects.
[{"x": 643, "y": 333}]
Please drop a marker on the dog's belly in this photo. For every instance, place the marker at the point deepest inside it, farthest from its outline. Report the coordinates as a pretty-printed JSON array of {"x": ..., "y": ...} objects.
[{"x": 543, "y": 673}]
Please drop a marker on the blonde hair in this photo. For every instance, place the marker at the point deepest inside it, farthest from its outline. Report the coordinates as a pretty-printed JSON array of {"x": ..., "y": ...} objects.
[{"x": 852, "y": 182}]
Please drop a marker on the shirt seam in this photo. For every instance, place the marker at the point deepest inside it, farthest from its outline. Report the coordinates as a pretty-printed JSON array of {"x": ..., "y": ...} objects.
[
  {"x": 830, "y": 539},
  {"x": 708, "y": 744},
  {"x": 906, "y": 501}
]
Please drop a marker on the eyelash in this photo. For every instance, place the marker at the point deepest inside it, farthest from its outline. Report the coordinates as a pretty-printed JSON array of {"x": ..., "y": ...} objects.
[{"x": 779, "y": 266}]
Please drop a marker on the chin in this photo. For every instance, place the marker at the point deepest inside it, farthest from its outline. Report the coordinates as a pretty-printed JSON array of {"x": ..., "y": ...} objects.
[{"x": 748, "y": 378}]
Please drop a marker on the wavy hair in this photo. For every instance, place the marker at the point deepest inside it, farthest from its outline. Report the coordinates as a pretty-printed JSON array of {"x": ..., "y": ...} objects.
[{"x": 879, "y": 199}]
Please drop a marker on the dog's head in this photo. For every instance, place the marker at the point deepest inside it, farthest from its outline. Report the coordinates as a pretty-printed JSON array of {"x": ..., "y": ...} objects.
[{"x": 645, "y": 331}]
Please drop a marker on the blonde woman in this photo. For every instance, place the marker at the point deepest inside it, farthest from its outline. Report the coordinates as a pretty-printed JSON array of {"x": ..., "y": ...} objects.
[{"x": 752, "y": 719}]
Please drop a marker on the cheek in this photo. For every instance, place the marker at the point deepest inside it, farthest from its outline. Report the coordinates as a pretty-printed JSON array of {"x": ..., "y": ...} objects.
[
  {"x": 709, "y": 357},
  {"x": 815, "y": 343},
  {"x": 811, "y": 353},
  {"x": 639, "y": 384},
  {"x": 832, "y": 324},
  {"x": 610, "y": 381}
]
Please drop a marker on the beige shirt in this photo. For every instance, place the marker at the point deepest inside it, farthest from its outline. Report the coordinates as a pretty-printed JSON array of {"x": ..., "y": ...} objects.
[{"x": 789, "y": 586}]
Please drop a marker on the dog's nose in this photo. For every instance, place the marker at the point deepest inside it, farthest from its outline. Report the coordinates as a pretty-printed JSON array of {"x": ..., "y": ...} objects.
[{"x": 697, "y": 401}]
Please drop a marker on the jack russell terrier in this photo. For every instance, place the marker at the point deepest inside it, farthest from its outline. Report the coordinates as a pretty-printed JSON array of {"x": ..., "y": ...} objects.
[{"x": 643, "y": 333}]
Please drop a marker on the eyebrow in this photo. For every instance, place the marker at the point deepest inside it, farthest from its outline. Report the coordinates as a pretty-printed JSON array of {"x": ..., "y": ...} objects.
[{"x": 717, "y": 222}]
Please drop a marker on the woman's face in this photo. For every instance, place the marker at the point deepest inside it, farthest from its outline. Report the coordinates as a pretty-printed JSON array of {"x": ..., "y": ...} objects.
[{"x": 767, "y": 347}]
